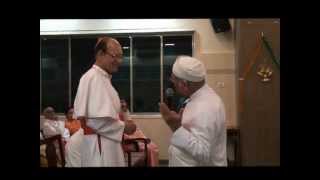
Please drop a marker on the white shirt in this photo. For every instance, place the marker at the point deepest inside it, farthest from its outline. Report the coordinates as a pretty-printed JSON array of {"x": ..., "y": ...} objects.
[
  {"x": 55, "y": 127},
  {"x": 41, "y": 137},
  {"x": 205, "y": 144},
  {"x": 99, "y": 102}
]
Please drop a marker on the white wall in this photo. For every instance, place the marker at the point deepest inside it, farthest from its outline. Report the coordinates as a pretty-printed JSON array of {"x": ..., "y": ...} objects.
[{"x": 216, "y": 50}]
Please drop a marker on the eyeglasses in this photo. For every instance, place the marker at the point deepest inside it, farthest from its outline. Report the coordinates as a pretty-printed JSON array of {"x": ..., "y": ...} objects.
[{"x": 117, "y": 57}]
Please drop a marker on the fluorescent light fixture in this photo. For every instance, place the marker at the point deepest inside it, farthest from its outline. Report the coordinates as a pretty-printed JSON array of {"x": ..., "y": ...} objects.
[
  {"x": 125, "y": 47},
  {"x": 169, "y": 44}
]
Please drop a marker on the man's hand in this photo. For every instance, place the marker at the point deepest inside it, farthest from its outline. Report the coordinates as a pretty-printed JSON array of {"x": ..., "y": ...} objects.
[
  {"x": 82, "y": 121},
  {"x": 172, "y": 118}
]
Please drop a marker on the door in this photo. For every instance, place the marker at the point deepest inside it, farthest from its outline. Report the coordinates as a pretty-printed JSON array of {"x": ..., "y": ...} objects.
[{"x": 259, "y": 97}]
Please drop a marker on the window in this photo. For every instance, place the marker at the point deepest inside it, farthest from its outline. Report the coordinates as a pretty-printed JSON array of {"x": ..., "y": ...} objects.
[
  {"x": 172, "y": 47},
  {"x": 82, "y": 58},
  {"x": 146, "y": 58},
  {"x": 146, "y": 74},
  {"x": 121, "y": 79},
  {"x": 54, "y": 73}
]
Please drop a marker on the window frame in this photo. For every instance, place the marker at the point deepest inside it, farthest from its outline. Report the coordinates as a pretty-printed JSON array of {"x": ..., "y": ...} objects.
[{"x": 116, "y": 34}]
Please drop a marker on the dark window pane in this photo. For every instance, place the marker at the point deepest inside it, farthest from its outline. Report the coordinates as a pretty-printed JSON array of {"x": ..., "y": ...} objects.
[
  {"x": 40, "y": 80},
  {"x": 146, "y": 74},
  {"x": 173, "y": 46},
  {"x": 121, "y": 79},
  {"x": 54, "y": 70},
  {"x": 82, "y": 59}
]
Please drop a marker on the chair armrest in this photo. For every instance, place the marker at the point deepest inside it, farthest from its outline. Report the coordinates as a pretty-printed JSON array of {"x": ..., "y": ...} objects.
[
  {"x": 144, "y": 140},
  {"x": 135, "y": 141},
  {"x": 50, "y": 140}
]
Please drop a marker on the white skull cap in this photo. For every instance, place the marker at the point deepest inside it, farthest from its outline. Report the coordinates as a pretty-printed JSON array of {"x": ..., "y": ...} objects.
[{"x": 189, "y": 68}]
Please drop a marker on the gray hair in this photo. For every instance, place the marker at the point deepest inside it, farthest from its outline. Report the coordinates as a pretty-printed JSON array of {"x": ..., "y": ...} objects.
[{"x": 48, "y": 110}]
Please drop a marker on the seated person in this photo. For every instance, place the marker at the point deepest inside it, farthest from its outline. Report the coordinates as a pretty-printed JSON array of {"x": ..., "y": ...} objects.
[
  {"x": 153, "y": 151},
  {"x": 51, "y": 127},
  {"x": 71, "y": 124}
]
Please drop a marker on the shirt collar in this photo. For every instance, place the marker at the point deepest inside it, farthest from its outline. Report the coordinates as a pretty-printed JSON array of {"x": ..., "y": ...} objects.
[
  {"x": 198, "y": 92},
  {"x": 103, "y": 72}
]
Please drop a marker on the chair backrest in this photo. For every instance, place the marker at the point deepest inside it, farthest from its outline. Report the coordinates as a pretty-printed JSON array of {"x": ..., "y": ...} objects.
[
  {"x": 134, "y": 142},
  {"x": 51, "y": 154}
]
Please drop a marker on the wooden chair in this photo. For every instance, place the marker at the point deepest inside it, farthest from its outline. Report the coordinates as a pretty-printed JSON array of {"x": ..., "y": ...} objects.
[
  {"x": 233, "y": 135},
  {"x": 133, "y": 145},
  {"x": 51, "y": 154}
]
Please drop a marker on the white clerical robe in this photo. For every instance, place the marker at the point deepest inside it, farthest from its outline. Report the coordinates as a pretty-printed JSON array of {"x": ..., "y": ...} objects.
[
  {"x": 72, "y": 150},
  {"x": 99, "y": 102},
  {"x": 205, "y": 143}
]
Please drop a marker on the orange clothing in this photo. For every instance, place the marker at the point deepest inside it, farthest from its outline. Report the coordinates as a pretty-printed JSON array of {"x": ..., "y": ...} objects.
[
  {"x": 153, "y": 151},
  {"x": 73, "y": 125}
]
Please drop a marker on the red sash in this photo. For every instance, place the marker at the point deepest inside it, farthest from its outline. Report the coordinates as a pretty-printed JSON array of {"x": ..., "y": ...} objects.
[{"x": 88, "y": 131}]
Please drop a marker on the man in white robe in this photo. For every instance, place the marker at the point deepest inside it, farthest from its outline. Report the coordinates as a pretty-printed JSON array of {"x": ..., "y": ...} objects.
[
  {"x": 97, "y": 106},
  {"x": 72, "y": 153},
  {"x": 199, "y": 137}
]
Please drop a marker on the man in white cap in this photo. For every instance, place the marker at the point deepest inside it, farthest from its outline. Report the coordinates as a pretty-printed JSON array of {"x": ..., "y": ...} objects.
[
  {"x": 199, "y": 137},
  {"x": 97, "y": 106}
]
